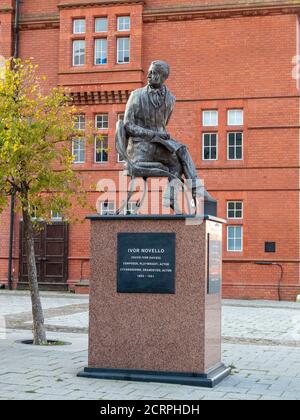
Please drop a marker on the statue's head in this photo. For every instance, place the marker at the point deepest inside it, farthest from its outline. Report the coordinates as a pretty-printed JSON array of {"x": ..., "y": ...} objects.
[{"x": 158, "y": 73}]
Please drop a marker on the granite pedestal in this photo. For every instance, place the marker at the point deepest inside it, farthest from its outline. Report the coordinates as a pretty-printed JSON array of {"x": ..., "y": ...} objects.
[{"x": 168, "y": 335}]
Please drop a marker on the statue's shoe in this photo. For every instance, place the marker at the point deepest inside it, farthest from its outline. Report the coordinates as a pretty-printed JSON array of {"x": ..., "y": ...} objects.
[{"x": 202, "y": 193}]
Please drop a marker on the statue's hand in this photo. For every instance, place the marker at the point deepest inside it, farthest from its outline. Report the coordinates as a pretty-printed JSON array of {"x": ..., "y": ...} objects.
[{"x": 163, "y": 136}]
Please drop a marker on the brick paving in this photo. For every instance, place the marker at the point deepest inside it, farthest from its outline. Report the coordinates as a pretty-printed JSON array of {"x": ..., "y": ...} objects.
[{"x": 261, "y": 344}]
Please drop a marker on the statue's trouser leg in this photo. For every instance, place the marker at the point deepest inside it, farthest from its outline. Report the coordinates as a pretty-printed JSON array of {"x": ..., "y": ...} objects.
[
  {"x": 190, "y": 173},
  {"x": 171, "y": 195},
  {"x": 188, "y": 165}
]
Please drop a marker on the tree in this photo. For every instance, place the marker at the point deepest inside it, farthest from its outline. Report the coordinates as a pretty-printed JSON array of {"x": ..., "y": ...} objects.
[{"x": 35, "y": 159}]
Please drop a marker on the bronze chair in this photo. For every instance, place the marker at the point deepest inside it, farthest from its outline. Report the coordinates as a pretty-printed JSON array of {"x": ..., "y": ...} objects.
[{"x": 144, "y": 170}]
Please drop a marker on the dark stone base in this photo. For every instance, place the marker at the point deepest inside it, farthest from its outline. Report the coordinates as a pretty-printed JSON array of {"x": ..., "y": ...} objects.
[{"x": 208, "y": 380}]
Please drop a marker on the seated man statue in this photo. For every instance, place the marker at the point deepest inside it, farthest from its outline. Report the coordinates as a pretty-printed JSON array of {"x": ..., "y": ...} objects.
[{"x": 147, "y": 114}]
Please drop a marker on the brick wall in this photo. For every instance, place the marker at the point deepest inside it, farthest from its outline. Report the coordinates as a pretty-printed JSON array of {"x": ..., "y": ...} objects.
[
  {"x": 38, "y": 7},
  {"x": 6, "y": 19},
  {"x": 41, "y": 46},
  {"x": 236, "y": 61}
]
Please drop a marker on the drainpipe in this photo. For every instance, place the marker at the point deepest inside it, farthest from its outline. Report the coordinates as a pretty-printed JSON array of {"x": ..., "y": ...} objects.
[
  {"x": 281, "y": 275},
  {"x": 16, "y": 29},
  {"x": 12, "y": 202}
]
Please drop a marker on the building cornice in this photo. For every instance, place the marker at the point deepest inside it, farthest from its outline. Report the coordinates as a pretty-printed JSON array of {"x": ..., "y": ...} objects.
[
  {"x": 177, "y": 13},
  {"x": 97, "y": 98},
  {"x": 72, "y": 4},
  {"x": 6, "y": 9},
  {"x": 214, "y": 11},
  {"x": 40, "y": 21}
]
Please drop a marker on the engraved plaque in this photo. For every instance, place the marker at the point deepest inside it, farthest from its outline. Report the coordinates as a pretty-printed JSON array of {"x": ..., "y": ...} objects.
[{"x": 146, "y": 263}]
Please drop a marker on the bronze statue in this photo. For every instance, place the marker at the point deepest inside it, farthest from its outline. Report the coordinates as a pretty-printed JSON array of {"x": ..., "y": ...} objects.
[{"x": 143, "y": 141}]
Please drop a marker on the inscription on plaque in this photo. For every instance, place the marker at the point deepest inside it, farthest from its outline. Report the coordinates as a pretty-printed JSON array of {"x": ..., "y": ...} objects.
[
  {"x": 214, "y": 261},
  {"x": 146, "y": 263}
]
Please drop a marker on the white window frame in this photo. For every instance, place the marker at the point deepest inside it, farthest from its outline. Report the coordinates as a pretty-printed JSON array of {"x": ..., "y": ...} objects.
[
  {"x": 95, "y": 151},
  {"x": 235, "y": 145},
  {"x": 120, "y": 117},
  {"x": 111, "y": 208},
  {"x": 123, "y": 51},
  {"x": 33, "y": 215},
  {"x": 101, "y": 19},
  {"x": 80, "y": 31},
  {"x": 100, "y": 52},
  {"x": 203, "y": 146},
  {"x": 235, "y": 202},
  {"x": 80, "y": 123},
  {"x": 119, "y": 160},
  {"x": 79, "y": 55},
  {"x": 234, "y": 238},
  {"x": 96, "y": 121},
  {"x": 131, "y": 205},
  {"x": 235, "y": 122},
  {"x": 210, "y": 112},
  {"x": 124, "y": 23},
  {"x": 82, "y": 142},
  {"x": 57, "y": 218}
]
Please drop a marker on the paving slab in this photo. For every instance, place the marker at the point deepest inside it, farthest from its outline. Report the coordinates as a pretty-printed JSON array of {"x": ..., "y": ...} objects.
[{"x": 261, "y": 344}]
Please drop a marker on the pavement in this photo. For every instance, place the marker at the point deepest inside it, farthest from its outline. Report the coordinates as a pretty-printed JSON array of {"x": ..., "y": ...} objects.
[{"x": 261, "y": 343}]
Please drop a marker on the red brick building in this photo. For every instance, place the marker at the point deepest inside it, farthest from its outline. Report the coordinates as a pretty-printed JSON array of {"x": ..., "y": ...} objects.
[{"x": 234, "y": 68}]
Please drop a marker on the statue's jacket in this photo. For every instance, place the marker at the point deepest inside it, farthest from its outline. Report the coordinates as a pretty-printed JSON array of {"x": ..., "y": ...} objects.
[{"x": 142, "y": 117}]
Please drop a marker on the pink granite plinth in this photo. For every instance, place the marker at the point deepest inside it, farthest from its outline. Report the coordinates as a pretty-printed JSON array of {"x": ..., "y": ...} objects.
[{"x": 157, "y": 333}]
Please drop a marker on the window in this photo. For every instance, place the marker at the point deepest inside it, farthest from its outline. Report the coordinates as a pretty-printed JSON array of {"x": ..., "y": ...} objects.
[
  {"x": 123, "y": 50},
  {"x": 120, "y": 159},
  {"x": 79, "y": 26},
  {"x": 235, "y": 117},
  {"x": 120, "y": 117},
  {"x": 102, "y": 121},
  {"x": 210, "y": 118},
  {"x": 56, "y": 216},
  {"x": 101, "y": 149},
  {"x": 235, "y": 146},
  {"x": 78, "y": 150},
  {"x": 80, "y": 122},
  {"x": 209, "y": 147},
  {"x": 234, "y": 238},
  {"x": 124, "y": 23},
  {"x": 33, "y": 213},
  {"x": 131, "y": 207},
  {"x": 101, "y": 25},
  {"x": 100, "y": 52},
  {"x": 79, "y": 53},
  {"x": 234, "y": 209},
  {"x": 107, "y": 208}
]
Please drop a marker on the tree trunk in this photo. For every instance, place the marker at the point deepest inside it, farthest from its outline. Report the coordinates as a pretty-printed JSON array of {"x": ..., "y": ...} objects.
[{"x": 39, "y": 332}]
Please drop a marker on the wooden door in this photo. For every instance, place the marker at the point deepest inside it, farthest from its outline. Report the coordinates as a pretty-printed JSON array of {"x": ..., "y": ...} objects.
[{"x": 51, "y": 247}]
